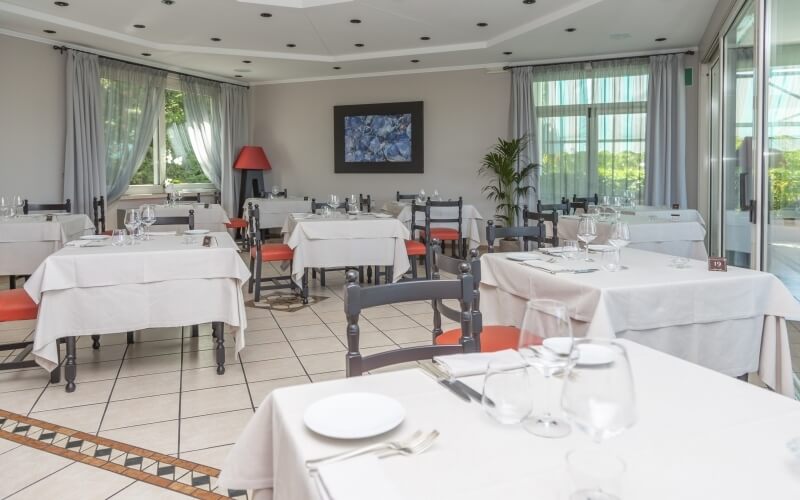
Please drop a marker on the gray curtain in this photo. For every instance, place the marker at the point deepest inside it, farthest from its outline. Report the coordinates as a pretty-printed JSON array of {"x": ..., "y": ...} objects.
[
  {"x": 523, "y": 124},
  {"x": 665, "y": 182},
  {"x": 201, "y": 103},
  {"x": 235, "y": 130},
  {"x": 133, "y": 97},
  {"x": 84, "y": 161}
]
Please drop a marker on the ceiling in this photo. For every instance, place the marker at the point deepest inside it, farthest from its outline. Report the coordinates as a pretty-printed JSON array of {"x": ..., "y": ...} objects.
[{"x": 307, "y": 39}]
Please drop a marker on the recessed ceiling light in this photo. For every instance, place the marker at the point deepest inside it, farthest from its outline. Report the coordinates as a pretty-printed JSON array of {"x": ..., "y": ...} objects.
[
  {"x": 246, "y": 61},
  {"x": 355, "y": 21},
  {"x": 359, "y": 45},
  {"x": 661, "y": 39},
  {"x": 215, "y": 39},
  {"x": 483, "y": 25},
  {"x": 337, "y": 67},
  {"x": 425, "y": 38},
  {"x": 266, "y": 14},
  {"x": 528, "y": 2},
  {"x": 291, "y": 45},
  {"x": 61, "y": 4},
  {"x": 571, "y": 30},
  {"x": 168, "y": 2},
  {"x": 140, "y": 26},
  {"x": 238, "y": 76},
  {"x": 146, "y": 54},
  {"x": 507, "y": 53},
  {"x": 50, "y": 32},
  {"x": 415, "y": 60}
]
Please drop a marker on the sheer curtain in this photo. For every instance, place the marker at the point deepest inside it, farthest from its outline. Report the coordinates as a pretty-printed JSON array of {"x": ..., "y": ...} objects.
[
  {"x": 235, "y": 130},
  {"x": 523, "y": 124},
  {"x": 84, "y": 161},
  {"x": 133, "y": 97},
  {"x": 201, "y": 103}
]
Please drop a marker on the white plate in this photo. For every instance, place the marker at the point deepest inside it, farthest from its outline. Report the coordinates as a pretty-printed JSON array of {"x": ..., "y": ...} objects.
[
  {"x": 523, "y": 256},
  {"x": 601, "y": 248},
  {"x": 95, "y": 237},
  {"x": 382, "y": 216},
  {"x": 354, "y": 415},
  {"x": 590, "y": 355},
  {"x": 195, "y": 232}
]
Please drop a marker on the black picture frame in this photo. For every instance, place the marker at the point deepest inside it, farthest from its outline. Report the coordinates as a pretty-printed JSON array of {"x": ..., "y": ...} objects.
[{"x": 417, "y": 163}]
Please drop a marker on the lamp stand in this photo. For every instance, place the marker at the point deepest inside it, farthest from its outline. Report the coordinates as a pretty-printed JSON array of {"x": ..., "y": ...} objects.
[{"x": 258, "y": 185}]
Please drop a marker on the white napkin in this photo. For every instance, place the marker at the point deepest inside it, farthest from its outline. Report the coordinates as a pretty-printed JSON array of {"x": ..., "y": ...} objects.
[
  {"x": 475, "y": 363},
  {"x": 523, "y": 256},
  {"x": 360, "y": 478},
  {"x": 161, "y": 233},
  {"x": 78, "y": 243}
]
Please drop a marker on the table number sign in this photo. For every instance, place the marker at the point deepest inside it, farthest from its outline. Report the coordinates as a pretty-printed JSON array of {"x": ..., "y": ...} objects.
[
  {"x": 209, "y": 241},
  {"x": 676, "y": 206},
  {"x": 49, "y": 217},
  {"x": 718, "y": 264}
]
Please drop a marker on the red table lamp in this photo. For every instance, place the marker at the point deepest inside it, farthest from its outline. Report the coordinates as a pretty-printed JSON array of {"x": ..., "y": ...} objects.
[{"x": 251, "y": 159}]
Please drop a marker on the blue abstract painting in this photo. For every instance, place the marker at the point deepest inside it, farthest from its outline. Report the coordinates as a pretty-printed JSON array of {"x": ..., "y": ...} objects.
[{"x": 377, "y": 138}]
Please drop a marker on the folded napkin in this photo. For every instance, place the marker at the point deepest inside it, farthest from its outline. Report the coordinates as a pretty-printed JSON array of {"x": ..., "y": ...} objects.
[
  {"x": 523, "y": 256},
  {"x": 475, "y": 363},
  {"x": 360, "y": 478},
  {"x": 162, "y": 233}
]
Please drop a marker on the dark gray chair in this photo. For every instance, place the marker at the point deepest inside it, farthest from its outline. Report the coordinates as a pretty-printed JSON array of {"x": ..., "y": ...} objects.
[
  {"x": 365, "y": 204},
  {"x": 99, "y": 211},
  {"x": 540, "y": 219},
  {"x": 445, "y": 234},
  {"x": 176, "y": 221},
  {"x": 527, "y": 233},
  {"x": 193, "y": 197},
  {"x": 563, "y": 207},
  {"x": 582, "y": 203},
  {"x": 417, "y": 246},
  {"x": 266, "y": 252},
  {"x": 401, "y": 197},
  {"x": 357, "y": 299},
  {"x": 46, "y": 207},
  {"x": 322, "y": 204}
]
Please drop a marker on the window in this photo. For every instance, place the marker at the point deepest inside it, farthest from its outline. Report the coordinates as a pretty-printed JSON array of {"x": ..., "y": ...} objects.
[
  {"x": 592, "y": 129},
  {"x": 170, "y": 155}
]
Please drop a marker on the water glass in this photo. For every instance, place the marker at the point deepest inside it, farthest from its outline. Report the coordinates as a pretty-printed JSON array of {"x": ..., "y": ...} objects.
[
  {"x": 19, "y": 204},
  {"x": 119, "y": 237},
  {"x": 595, "y": 475},
  {"x": 132, "y": 222},
  {"x": 605, "y": 201},
  {"x": 571, "y": 250},
  {"x": 147, "y": 214},
  {"x": 610, "y": 261},
  {"x": 421, "y": 197},
  {"x": 507, "y": 395},
  {"x": 616, "y": 201},
  {"x": 276, "y": 191},
  {"x": 436, "y": 195},
  {"x": 6, "y": 210}
]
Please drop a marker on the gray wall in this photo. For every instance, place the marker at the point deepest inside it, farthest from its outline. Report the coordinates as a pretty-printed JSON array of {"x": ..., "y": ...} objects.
[
  {"x": 692, "y": 117},
  {"x": 465, "y": 113},
  {"x": 32, "y": 109}
]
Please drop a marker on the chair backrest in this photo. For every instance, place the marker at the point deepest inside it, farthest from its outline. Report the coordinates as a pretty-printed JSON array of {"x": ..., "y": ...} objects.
[
  {"x": 99, "y": 211},
  {"x": 357, "y": 299},
  {"x": 416, "y": 225},
  {"x": 46, "y": 207},
  {"x": 217, "y": 197},
  {"x": 592, "y": 199},
  {"x": 253, "y": 214},
  {"x": 401, "y": 197},
  {"x": 444, "y": 219},
  {"x": 318, "y": 206},
  {"x": 453, "y": 265},
  {"x": 283, "y": 194},
  {"x": 256, "y": 190},
  {"x": 575, "y": 205},
  {"x": 527, "y": 233},
  {"x": 195, "y": 197},
  {"x": 563, "y": 207},
  {"x": 365, "y": 204},
  {"x": 176, "y": 221},
  {"x": 540, "y": 219}
]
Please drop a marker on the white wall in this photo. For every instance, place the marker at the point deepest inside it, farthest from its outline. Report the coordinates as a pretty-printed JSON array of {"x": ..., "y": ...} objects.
[
  {"x": 32, "y": 110},
  {"x": 465, "y": 113}
]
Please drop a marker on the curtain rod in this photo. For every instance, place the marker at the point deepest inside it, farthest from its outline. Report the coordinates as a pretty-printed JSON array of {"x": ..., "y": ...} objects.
[
  {"x": 62, "y": 48},
  {"x": 506, "y": 68}
]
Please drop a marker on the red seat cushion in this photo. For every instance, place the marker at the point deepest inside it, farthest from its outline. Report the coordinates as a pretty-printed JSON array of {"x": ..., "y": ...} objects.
[
  {"x": 442, "y": 233},
  {"x": 236, "y": 223},
  {"x": 414, "y": 248},
  {"x": 16, "y": 305},
  {"x": 493, "y": 338},
  {"x": 271, "y": 252},
  {"x": 108, "y": 233}
]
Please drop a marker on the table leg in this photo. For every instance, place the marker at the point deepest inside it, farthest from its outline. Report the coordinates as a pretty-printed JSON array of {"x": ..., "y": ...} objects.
[
  {"x": 195, "y": 331},
  {"x": 219, "y": 340},
  {"x": 95, "y": 341},
  {"x": 305, "y": 287},
  {"x": 70, "y": 368},
  {"x": 130, "y": 337}
]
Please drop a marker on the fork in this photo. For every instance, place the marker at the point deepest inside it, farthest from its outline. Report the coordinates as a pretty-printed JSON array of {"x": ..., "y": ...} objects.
[{"x": 416, "y": 443}]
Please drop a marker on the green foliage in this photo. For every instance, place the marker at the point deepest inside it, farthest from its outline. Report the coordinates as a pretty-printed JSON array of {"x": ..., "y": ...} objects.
[
  {"x": 507, "y": 185},
  {"x": 784, "y": 178},
  {"x": 616, "y": 173}
]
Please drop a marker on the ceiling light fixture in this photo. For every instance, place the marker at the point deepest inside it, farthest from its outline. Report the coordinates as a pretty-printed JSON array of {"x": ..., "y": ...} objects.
[
  {"x": 61, "y": 4},
  {"x": 355, "y": 21},
  {"x": 266, "y": 14},
  {"x": 146, "y": 54},
  {"x": 168, "y": 2},
  {"x": 238, "y": 76},
  {"x": 483, "y": 25},
  {"x": 529, "y": 2},
  {"x": 50, "y": 32},
  {"x": 424, "y": 38},
  {"x": 571, "y": 30},
  {"x": 661, "y": 39},
  {"x": 140, "y": 26},
  {"x": 215, "y": 39},
  {"x": 291, "y": 45},
  {"x": 359, "y": 45},
  {"x": 337, "y": 67},
  {"x": 246, "y": 61},
  {"x": 507, "y": 53},
  {"x": 415, "y": 60}
]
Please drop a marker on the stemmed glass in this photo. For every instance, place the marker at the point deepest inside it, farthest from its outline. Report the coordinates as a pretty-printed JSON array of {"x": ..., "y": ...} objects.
[
  {"x": 5, "y": 208},
  {"x": 436, "y": 195},
  {"x": 334, "y": 203},
  {"x": 599, "y": 398},
  {"x": 620, "y": 236},
  {"x": 352, "y": 204},
  {"x": 545, "y": 342},
  {"x": 148, "y": 218},
  {"x": 132, "y": 222},
  {"x": 19, "y": 203},
  {"x": 421, "y": 196},
  {"x": 275, "y": 191},
  {"x": 587, "y": 231}
]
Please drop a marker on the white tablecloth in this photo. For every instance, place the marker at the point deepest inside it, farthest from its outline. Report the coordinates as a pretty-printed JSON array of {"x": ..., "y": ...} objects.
[
  {"x": 683, "y": 238},
  {"x": 274, "y": 211},
  {"x": 212, "y": 218},
  {"x": 699, "y": 436},
  {"x": 158, "y": 283},
  {"x": 472, "y": 226},
  {"x": 27, "y": 240},
  {"x": 731, "y": 322},
  {"x": 342, "y": 240}
]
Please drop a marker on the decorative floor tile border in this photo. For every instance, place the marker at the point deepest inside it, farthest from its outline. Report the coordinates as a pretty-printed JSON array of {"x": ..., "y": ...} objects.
[{"x": 157, "y": 469}]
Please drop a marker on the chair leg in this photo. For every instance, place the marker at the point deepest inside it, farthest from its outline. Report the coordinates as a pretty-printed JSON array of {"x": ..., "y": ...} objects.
[
  {"x": 413, "y": 262},
  {"x": 95, "y": 341},
  {"x": 257, "y": 295},
  {"x": 369, "y": 274},
  {"x": 12, "y": 282},
  {"x": 389, "y": 278},
  {"x": 252, "y": 278},
  {"x": 304, "y": 292},
  {"x": 314, "y": 273},
  {"x": 195, "y": 330},
  {"x": 361, "y": 274},
  {"x": 70, "y": 368},
  {"x": 322, "y": 277},
  {"x": 219, "y": 340},
  {"x": 130, "y": 337}
]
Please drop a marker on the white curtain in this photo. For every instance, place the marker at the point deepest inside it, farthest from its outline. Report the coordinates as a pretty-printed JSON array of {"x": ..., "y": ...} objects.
[
  {"x": 133, "y": 97},
  {"x": 201, "y": 103},
  {"x": 666, "y": 132},
  {"x": 235, "y": 130},
  {"x": 523, "y": 124},
  {"x": 84, "y": 161}
]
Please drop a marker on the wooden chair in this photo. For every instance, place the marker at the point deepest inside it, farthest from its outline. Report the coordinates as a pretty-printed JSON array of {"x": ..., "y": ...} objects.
[
  {"x": 540, "y": 219},
  {"x": 445, "y": 234},
  {"x": 582, "y": 203},
  {"x": 46, "y": 207},
  {"x": 563, "y": 207},
  {"x": 365, "y": 204},
  {"x": 419, "y": 248},
  {"x": 283, "y": 194},
  {"x": 527, "y": 233},
  {"x": 177, "y": 220},
  {"x": 99, "y": 211},
  {"x": 357, "y": 299},
  {"x": 402, "y": 197},
  {"x": 322, "y": 204},
  {"x": 17, "y": 305},
  {"x": 266, "y": 252}
]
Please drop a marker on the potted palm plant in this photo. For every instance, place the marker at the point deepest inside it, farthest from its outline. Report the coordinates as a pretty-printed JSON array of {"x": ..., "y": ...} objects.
[{"x": 508, "y": 183}]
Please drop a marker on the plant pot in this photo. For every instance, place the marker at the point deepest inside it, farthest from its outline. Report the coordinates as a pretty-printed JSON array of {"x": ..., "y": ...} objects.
[{"x": 510, "y": 245}]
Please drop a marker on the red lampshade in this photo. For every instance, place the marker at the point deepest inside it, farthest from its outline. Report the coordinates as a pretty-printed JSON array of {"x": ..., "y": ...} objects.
[{"x": 252, "y": 158}]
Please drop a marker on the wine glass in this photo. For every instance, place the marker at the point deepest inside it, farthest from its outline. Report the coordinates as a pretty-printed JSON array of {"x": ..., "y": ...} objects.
[
  {"x": 620, "y": 235},
  {"x": 5, "y": 207},
  {"x": 148, "y": 217},
  {"x": 545, "y": 342},
  {"x": 587, "y": 231},
  {"x": 334, "y": 203},
  {"x": 19, "y": 203},
  {"x": 605, "y": 200},
  {"x": 275, "y": 191},
  {"x": 598, "y": 398},
  {"x": 436, "y": 195},
  {"x": 506, "y": 393},
  {"x": 132, "y": 221},
  {"x": 571, "y": 250},
  {"x": 421, "y": 196}
]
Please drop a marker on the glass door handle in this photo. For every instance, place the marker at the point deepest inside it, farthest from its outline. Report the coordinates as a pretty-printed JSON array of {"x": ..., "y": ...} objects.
[{"x": 752, "y": 209}]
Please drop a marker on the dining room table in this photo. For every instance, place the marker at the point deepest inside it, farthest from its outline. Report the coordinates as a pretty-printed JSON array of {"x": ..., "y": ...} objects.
[
  {"x": 274, "y": 211},
  {"x": 733, "y": 322},
  {"x": 682, "y": 236},
  {"x": 27, "y": 240},
  {"x": 345, "y": 240},
  {"x": 698, "y": 435},
  {"x": 171, "y": 280},
  {"x": 209, "y": 216},
  {"x": 472, "y": 226}
]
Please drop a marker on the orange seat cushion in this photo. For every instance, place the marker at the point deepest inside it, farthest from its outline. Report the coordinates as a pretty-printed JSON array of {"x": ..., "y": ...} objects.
[
  {"x": 16, "y": 305},
  {"x": 110, "y": 232},
  {"x": 493, "y": 338},
  {"x": 236, "y": 223},
  {"x": 271, "y": 252},
  {"x": 442, "y": 233},
  {"x": 414, "y": 248}
]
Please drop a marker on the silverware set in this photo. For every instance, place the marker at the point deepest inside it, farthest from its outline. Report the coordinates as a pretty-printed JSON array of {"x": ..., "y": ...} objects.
[{"x": 415, "y": 444}]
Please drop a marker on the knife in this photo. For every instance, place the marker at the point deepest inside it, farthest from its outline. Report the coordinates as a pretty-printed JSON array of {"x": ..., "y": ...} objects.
[
  {"x": 477, "y": 396},
  {"x": 434, "y": 372}
]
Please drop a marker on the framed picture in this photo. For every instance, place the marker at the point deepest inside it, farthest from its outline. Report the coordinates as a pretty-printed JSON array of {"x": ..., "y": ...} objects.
[{"x": 379, "y": 138}]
